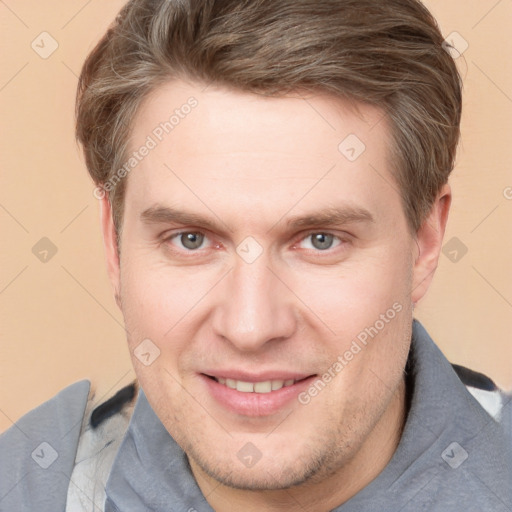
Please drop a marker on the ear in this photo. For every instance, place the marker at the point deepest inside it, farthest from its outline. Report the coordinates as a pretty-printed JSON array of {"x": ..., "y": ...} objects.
[
  {"x": 110, "y": 245},
  {"x": 429, "y": 239}
]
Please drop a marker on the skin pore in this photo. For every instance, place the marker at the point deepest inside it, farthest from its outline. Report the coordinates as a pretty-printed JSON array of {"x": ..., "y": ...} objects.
[{"x": 252, "y": 249}]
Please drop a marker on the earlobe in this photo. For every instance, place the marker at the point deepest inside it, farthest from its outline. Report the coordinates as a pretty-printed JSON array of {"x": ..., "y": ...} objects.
[
  {"x": 429, "y": 240},
  {"x": 110, "y": 245}
]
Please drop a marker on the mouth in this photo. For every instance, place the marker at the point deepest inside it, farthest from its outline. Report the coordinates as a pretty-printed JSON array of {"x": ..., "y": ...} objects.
[
  {"x": 253, "y": 396},
  {"x": 265, "y": 386}
]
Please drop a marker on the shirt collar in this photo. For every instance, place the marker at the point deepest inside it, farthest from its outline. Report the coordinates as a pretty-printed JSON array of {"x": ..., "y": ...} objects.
[{"x": 151, "y": 471}]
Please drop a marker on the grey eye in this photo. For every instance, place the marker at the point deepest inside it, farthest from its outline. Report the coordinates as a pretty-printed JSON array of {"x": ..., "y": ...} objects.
[
  {"x": 192, "y": 240},
  {"x": 322, "y": 241}
]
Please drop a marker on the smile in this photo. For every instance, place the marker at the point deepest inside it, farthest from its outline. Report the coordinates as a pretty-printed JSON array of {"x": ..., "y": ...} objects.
[
  {"x": 253, "y": 396},
  {"x": 266, "y": 386}
]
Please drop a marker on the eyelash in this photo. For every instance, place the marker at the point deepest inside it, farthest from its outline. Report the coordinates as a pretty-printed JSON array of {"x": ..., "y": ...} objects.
[
  {"x": 327, "y": 252},
  {"x": 169, "y": 238}
]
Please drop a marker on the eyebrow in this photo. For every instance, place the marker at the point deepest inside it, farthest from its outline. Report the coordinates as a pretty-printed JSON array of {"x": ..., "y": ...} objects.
[
  {"x": 331, "y": 217},
  {"x": 165, "y": 215},
  {"x": 348, "y": 214}
]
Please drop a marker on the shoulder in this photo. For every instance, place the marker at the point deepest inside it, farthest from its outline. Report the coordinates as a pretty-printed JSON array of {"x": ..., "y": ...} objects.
[
  {"x": 484, "y": 390},
  {"x": 38, "y": 452},
  {"x": 102, "y": 430}
]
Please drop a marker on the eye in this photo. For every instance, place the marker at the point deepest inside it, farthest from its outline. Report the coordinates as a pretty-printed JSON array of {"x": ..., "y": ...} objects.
[
  {"x": 320, "y": 241},
  {"x": 190, "y": 240}
]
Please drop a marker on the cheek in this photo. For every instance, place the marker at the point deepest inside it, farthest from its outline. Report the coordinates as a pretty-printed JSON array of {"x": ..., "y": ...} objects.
[
  {"x": 154, "y": 306},
  {"x": 353, "y": 297},
  {"x": 156, "y": 297}
]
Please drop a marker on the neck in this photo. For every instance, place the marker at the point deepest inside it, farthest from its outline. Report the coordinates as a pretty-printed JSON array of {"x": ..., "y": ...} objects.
[{"x": 333, "y": 490}]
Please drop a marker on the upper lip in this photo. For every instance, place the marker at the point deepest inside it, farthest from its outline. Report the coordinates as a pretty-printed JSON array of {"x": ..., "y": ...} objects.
[{"x": 257, "y": 377}]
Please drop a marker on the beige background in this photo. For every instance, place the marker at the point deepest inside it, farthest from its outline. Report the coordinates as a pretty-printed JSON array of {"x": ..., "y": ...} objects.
[{"x": 59, "y": 322}]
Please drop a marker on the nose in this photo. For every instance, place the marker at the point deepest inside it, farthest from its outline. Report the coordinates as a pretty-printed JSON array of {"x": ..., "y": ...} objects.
[{"x": 255, "y": 307}]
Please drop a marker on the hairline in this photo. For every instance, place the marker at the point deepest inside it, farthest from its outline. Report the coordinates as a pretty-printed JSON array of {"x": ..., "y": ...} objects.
[{"x": 392, "y": 157}]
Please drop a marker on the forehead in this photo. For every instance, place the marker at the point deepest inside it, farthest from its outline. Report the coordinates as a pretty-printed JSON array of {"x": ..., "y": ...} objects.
[
  {"x": 218, "y": 146},
  {"x": 231, "y": 118}
]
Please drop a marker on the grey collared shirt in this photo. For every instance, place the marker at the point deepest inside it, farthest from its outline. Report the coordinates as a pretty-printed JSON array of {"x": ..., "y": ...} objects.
[{"x": 452, "y": 455}]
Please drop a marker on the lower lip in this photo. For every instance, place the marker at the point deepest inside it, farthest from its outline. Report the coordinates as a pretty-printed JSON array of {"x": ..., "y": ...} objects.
[{"x": 255, "y": 404}]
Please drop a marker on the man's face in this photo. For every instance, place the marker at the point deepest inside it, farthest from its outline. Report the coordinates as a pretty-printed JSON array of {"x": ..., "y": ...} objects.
[{"x": 256, "y": 253}]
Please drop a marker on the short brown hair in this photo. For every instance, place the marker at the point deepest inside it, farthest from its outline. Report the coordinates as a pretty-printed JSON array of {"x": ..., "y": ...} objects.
[{"x": 389, "y": 54}]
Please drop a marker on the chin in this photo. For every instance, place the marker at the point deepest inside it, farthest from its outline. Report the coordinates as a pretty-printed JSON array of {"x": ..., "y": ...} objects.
[
  {"x": 280, "y": 469},
  {"x": 266, "y": 478}
]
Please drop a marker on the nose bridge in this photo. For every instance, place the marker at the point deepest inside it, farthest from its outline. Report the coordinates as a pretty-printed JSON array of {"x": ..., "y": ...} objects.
[{"x": 254, "y": 309}]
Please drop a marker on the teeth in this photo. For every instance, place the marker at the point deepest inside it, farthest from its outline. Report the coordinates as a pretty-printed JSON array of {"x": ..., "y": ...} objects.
[
  {"x": 244, "y": 387},
  {"x": 255, "y": 387},
  {"x": 263, "y": 387},
  {"x": 277, "y": 384}
]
